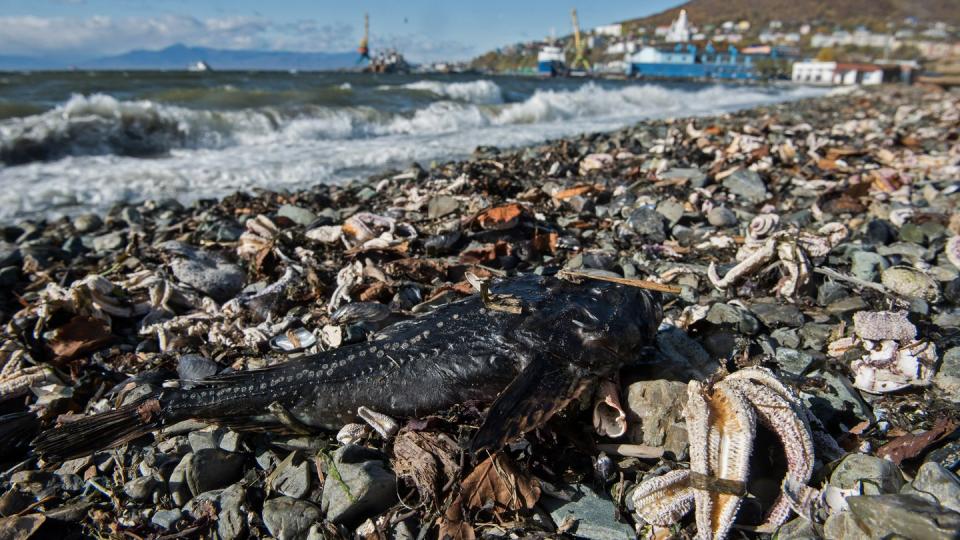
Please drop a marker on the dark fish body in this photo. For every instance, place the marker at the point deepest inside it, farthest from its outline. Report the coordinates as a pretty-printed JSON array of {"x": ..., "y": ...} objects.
[{"x": 537, "y": 360}]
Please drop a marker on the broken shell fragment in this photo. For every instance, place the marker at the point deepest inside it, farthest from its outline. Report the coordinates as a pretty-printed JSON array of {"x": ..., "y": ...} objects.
[
  {"x": 609, "y": 418},
  {"x": 891, "y": 367},
  {"x": 360, "y": 312},
  {"x": 880, "y": 325},
  {"x": 385, "y": 425},
  {"x": 296, "y": 339},
  {"x": 763, "y": 225},
  {"x": 352, "y": 433}
]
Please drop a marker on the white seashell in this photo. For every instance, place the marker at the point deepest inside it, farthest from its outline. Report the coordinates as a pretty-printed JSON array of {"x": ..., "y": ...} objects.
[
  {"x": 352, "y": 433},
  {"x": 952, "y": 250},
  {"x": 900, "y": 216},
  {"x": 386, "y": 426},
  {"x": 762, "y": 225},
  {"x": 609, "y": 418}
]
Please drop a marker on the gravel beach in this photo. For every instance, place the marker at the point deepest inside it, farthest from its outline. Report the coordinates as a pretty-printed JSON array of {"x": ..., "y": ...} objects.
[{"x": 810, "y": 257}]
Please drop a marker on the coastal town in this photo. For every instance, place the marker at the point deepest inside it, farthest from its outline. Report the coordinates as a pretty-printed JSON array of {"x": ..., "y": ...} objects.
[{"x": 816, "y": 52}]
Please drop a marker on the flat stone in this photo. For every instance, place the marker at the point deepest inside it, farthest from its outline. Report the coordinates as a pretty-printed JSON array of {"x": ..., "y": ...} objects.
[
  {"x": 867, "y": 265},
  {"x": 212, "y": 468},
  {"x": 297, "y": 214},
  {"x": 947, "y": 377},
  {"x": 671, "y": 210},
  {"x": 838, "y": 401},
  {"x": 441, "y": 206},
  {"x": 87, "y": 223},
  {"x": 655, "y": 415},
  {"x": 113, "y": 241},
  {"x": 205, "y": 271},
  {"x": 201, "y": 440},
  {"x": 593, "y": 513},
  {"x": 696, "y": 177},
  {"x": 142, "y": 488},
  {"x": 934, "y": 479},
  {"x": 793, "y": 361},
  {"x": 876, "y": 475},
  {"x": 775, "y": 315},
  {"x": 166, "y": 519},
  {"x": 728, "y": 314},
  {"x": 814, "y": 335},
  {"x": 648, "y": 224},
  {"x": 365, "y": 489},
  {"x": 292, "y": 477},
  {"x": 843, "y": 526},
  {"x": 232, "y": 516},
  {"x": 289, "y": 519},
  {"x": 721, "y": 217},
  {"x": 746, "y": 184},
  {"x": 786, "y": 337},
  {"x": 797, "y": 529},
  {"x": 907, "y": 516},
  {"x": 177, "y": 484},
  {"x": 847, "y": 305}
]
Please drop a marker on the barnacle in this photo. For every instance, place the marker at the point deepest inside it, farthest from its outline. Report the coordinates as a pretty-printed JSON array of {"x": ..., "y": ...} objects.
[{"x": 722, "y": 423}]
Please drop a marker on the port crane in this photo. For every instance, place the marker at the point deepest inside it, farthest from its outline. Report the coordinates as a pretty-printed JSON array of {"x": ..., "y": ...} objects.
[
  {"x": 579, "y": 60},
  {"x": 364, "y": 48}
]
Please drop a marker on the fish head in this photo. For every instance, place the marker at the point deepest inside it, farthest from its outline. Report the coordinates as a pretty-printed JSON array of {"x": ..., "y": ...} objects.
[{"x": 597, "y": 325}]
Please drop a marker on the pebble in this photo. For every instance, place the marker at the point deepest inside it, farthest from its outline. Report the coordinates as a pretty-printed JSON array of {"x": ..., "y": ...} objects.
[
  {"x": 655, "y": 415},
  {"x": 875, "y": 475},
  {"x": 933, "y": 479},
  {"x": 87, "y": 223},
  {"x": 106, "y": 243},
  {"x": 746, "y": 184},
  {"x": 592, "y": 513},
  {"x": 232, "y": 517},
  {"x": 299, "y": 215},
  {"x": 166, "y": 519},
  {"x": 721, "y": 216},
  {"x": 290, "y": 479},
  {"x": 205, "y": 271},
  {"x": 647, "y": 224},
  {"x": 366, "y": 487},
  {"x": 441, "y": 206},
  {"x": 947, "y": 377},
  {"x": 212, "y": 468},
  {"x": 289, "y": 519},
  {"x": 867, "y": 265},
  {"x": 142, "y": 488},
  {"x": 775, "y": 315}
]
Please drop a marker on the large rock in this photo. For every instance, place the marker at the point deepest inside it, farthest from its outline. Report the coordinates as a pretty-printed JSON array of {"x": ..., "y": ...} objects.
[
  {"x": 289, "y": 519},
  {"x": 934, "y": 479},
  {"x": 593, "y": 513},
  {"x": 876, "y": 475},
  {"x": 843, "y": 526},
  {"x": 746, "y": 184},
  {"x": 905, "y": 515},
  {"x": 357, "y": 486},
  {"x": 205, "y": 271},
  {"x": 655, "y": 414},
  {"x": 212, "y": 468}
]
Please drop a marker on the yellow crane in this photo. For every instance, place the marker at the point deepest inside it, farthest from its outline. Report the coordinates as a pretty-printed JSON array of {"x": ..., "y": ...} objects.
[
  {"x": 578, "y": 58},
  {"x": 364, "y": 48}
]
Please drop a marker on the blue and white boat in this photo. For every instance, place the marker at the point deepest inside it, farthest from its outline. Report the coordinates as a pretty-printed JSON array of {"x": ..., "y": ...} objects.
[
  {"x": 685, "y": 61},
  {"x": 551, "y": 61}
]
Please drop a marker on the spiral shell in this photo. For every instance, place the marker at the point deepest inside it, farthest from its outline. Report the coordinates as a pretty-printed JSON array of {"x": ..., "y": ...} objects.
[
  {"x": 762, "y": 225},
  {"x": 953, "y": 251},
  {"x": 900, "y": 216}
]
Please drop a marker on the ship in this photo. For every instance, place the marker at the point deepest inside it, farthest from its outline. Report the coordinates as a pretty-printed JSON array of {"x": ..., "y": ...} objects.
[
  {"x": 551, "y": 61},
  {"x": 389, "y": 61},
  {"x": 199, "y": 66}
]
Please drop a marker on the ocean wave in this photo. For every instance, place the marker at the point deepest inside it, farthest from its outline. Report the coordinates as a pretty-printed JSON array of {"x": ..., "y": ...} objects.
[
  {"x": 480, "y": 92},
  {"x": 100, "y": 124}
]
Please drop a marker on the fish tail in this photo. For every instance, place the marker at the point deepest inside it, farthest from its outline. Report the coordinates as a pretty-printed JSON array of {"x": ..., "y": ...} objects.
[{"x": 100, "y": 431}]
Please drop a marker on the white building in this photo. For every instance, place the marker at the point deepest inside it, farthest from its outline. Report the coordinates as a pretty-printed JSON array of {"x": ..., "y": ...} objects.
[
  {"x": 613, "y": 30},
  {"x": 813, "y": 72},
  {"x": 833, "y": 73},
  {"x": 680, "y": 29}
]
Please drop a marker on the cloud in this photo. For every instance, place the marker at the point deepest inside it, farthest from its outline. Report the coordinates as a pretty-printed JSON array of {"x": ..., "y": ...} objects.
[{"x": 102, "y": 35}]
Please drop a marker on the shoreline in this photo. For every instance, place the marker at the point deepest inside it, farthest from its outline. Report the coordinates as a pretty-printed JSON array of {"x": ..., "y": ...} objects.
[{"x": 802, "y": 236}]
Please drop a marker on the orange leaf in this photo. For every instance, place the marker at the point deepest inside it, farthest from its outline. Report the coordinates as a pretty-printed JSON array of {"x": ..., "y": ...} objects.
[
  {"x": 501, "y": 217},
  {"x": 572, "y": 192},
  {"x": 452, "y": 525},
  {"x": 498, "y": 480}
]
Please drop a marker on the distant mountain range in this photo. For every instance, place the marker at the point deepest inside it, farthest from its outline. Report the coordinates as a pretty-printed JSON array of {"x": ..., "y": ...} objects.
[
  {"x": 180, "y": 56},
  {"x": 872, "y": 13}
]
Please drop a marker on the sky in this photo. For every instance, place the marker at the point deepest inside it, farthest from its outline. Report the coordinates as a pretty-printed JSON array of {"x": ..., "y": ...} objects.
[{"x": 424, "y": 30}]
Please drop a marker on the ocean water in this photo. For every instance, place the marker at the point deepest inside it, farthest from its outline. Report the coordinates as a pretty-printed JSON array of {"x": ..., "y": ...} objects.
[{"x": 80, "y": 141}]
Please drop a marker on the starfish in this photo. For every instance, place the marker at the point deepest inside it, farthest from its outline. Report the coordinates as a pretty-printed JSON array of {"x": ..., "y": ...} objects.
[{"x": 722, "y": 422}]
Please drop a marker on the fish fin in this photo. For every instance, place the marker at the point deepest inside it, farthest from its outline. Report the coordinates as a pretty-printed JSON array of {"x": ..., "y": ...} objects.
[
  {"x": 541, "y": 390},
  {"x": 105, "y": 430}
]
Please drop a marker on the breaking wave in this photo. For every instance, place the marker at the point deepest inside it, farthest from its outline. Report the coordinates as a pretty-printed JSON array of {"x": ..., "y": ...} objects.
[
  {"x": 95, "y": 150},
  {"x": 99, "y": 124}
]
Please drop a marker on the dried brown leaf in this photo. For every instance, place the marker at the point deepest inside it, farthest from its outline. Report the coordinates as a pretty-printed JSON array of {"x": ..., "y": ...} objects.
[
  {"x": 498, "y": 481},
  {"x": 80, "y": 334},
  {"x": 452, "y": 525},
  {"x": 912, "y": 445},
  {"x": 501, "y": 217},
  {"x": 572, "y": 192}
]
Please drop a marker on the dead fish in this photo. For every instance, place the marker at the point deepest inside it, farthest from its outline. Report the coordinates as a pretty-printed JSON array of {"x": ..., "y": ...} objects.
[{"x": 530, "y": 361}]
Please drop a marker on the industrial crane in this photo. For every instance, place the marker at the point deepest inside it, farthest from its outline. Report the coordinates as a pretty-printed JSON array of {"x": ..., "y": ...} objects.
[
  {"x": 364, "y": 48},
  {"x": 579, "y": 60}
]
